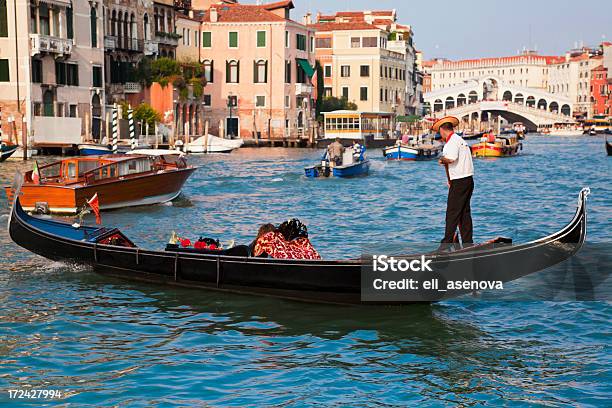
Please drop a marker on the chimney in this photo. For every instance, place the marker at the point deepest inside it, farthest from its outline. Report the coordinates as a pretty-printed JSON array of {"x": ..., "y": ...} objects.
[
  {"x": 214, "y": 17},
  {"x": 308, "y": 19},
  {"x": 190, "y": 13}
]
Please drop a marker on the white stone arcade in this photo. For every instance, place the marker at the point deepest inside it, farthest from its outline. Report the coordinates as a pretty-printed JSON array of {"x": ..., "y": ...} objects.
[{"x": 490, "y": 94}]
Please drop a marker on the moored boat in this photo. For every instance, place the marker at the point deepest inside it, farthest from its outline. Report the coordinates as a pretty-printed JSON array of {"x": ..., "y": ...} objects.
[
  {"x": 112, "y": 253},
  {"x": 213, "y": 144},
  {"x": 119, "y": 180},
  {"x": 500, "y": 146},
  {"x": 94, "y": 149},
  {"x": 608, "y": 147},
  {"x": 411, "y": 152},
  {"x": 354, "y": 164},
  {"x": 7, "y": 149}
]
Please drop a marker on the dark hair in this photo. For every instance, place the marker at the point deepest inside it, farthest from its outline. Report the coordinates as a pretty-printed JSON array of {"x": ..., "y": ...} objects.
[
  {"x": 264, "y": 229},
  {"x": 293, "y": 229},
  {"x": 447, "y": 126}
]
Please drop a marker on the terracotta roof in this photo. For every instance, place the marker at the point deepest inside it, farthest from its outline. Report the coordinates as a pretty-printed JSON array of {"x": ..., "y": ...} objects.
[
  {"x": 358, "y": 25},
  {"x": 237, "y": 13},
  {"x": 382, "y": 13},
  {"x": 279, "y": 4}
]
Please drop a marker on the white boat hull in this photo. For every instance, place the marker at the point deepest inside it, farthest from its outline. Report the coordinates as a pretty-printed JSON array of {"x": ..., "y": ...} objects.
[
  {"x": 566, "y": 133},
  {"x": 214, "y": 144}
]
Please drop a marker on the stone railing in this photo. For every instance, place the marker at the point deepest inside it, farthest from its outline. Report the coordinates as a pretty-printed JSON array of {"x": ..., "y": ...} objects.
[
  {"x": 46, "y": 43},
  {"x": 131, "y": 87},
  {"x": 303, "y": 89}
]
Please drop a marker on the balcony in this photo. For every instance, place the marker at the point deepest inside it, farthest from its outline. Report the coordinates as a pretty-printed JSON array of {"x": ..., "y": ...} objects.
[
  {"x": 123, "y": 43},
  {"x": 40, "y": 43},
  {"x": 170, "y": 39},
  {"x": 303, "y": 89},
  {"x": 151, "y": 47},
  {"x": 131, "y": 87}
]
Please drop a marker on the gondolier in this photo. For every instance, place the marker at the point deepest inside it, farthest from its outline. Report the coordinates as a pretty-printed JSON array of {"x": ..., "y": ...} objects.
[{"x": 457, "y": 158}]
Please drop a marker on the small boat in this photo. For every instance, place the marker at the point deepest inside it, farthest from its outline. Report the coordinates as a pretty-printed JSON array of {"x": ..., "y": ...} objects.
[
  {"x": 120, "y": 181},
  {"x": 411, "y": 152},
  {"x": 112, "y": 253},
  {"x": 213, "y": 144},
  {"x": 500, "y": 146},
  {"x": 354, "y": 164},
  {"x": 608, "y": 147},
  {"x": 7, "y": 149},
  {"x": 94, "y": 149}
]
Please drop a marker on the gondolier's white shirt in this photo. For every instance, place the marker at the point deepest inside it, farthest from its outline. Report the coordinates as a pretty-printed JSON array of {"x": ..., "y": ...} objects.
[{"x": 458, "y": 150}]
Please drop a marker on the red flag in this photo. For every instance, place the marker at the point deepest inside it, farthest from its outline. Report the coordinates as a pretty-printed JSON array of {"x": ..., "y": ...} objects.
[{"x": 94, "y": 203}]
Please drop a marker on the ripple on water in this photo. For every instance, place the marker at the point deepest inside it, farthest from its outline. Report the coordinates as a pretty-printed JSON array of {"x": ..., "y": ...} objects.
[{"x": 108, "y": 342}]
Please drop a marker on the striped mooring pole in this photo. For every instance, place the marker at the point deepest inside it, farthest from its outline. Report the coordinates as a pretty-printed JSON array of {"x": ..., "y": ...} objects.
[
  {"x": 133, "y": 140},
  {"x": 115, "y": 129}
]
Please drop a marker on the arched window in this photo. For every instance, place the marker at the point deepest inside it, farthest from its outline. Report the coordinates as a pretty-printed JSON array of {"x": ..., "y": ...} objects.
[
  {"x": 438, "y": 105},
  {"x": 507, "y": 96},
  {"x": 156, "y": 20},
  {"x": 208, "y": 70},
  {"x": 518, "y": 98},
  {"x": 542, "y": 104},
  {"x": 232, "y": 72},
  {"x": 260, "y": 72},
  {"x": 554, "y": 107},
  {"x": 461, "y": 100},
  {"x": 147, "y": 29},
  {"x": 450, "y": 103},
  {"x": 113, "y": 28},
  {"x": 473, "y": 97},
  {"x": 94, "y": 28},
  {"x": 566, "y": 110},
  {"x": 126, "y": 30},
  {"x": 530, "y": 101}
]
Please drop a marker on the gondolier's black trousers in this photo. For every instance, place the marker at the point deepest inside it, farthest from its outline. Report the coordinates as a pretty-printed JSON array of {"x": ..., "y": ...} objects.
[{"x": 458, "y": 211}]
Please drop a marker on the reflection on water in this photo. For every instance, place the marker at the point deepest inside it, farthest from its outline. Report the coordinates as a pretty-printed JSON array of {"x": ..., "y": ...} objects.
[{"x": 109, "y": 342}]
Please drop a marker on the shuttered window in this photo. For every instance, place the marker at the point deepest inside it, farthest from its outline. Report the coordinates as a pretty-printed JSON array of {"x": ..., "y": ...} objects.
[
  {"x": 4, "y": 70},
  {"x": 3, "y": 19},
  {"x": 261, "y": 39},
  {"x": 260, "y": 72},
  {"x": 233, "y": 39},
  {"x": 232, "y": 72},
  {"x": 206, "y": 39},
  {"x": 69, "y": 23},
  {"x": 37, "y": 71}
]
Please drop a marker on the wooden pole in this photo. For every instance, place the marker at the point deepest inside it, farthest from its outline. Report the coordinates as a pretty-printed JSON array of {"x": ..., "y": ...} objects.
[
  {"x": 206, "y": 136},
  {"x": 24, "y": 137},
  {"x": 115, "y": 129},
  {"x": 133, "y": 142}
]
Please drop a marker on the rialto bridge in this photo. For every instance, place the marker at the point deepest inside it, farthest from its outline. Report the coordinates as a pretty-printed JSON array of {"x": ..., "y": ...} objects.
[{"x": 474, "y": 100}]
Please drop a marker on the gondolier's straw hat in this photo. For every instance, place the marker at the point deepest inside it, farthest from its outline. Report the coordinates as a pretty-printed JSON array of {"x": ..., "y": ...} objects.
[{"x": 447, "y": 119}]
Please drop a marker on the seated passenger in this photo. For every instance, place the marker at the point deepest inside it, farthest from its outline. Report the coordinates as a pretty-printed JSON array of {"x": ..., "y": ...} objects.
[{"x": 289, "y": 241}]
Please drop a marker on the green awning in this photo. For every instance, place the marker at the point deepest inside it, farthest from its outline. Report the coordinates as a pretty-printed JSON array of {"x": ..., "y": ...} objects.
[{"x": 306, "y": 67}]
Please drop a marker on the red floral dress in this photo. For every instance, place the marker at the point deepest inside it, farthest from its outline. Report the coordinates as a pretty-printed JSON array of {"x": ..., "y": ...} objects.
[{"x": 275, "y": 245}]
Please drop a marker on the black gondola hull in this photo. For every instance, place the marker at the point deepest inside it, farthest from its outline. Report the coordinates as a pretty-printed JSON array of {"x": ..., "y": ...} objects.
[{"x": 318, "y": 281}]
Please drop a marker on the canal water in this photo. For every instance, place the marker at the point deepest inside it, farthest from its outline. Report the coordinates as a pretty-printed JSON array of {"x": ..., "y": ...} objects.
[{"x": 103, "y": 341}]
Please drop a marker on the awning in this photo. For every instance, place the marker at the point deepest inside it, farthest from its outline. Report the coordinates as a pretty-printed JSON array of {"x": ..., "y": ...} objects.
[{"x": 306, "y": 67}]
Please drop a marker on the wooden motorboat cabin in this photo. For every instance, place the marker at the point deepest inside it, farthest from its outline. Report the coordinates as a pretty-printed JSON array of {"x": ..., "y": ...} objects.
[
  {"x": 119, "y": 181},
  {"x": 372, "y": 129}
]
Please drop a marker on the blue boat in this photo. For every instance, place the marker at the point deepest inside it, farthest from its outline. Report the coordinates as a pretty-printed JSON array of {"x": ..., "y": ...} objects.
[
  {"x": 401, "y": 151},
  {"x": 354, "y": 164},
  {"x": 93, "y": 149}
]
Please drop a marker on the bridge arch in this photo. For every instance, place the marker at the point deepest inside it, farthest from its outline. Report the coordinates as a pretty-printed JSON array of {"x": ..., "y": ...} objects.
[
  {"x": 473, "y": 97},
  {"x": 530, "y": 101},
  {"x": 566, "y": 110},
  {"x": 461, "y": 100},
  {"x": 553, "y": 107},
  {"x": 519, "y": 98},
  {"x": 542, "y": 104},
  {"x": 438, "y": 105},
  {"x": 450, "y": 103},
  {"x": 507, "y": 96}
]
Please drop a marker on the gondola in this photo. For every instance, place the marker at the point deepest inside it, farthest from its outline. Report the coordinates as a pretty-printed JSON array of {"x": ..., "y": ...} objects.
[
  {"x": 110, "y": 252},
  {"x": 608, "y": 147},
  {"x": 6, "y": 150}
]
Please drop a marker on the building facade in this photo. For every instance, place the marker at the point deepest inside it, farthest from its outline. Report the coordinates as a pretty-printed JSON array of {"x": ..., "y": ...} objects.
[
  {"x": 600, "y": 91},
  {"x": 52, "y": 70},
  {"x": 258, "y": 64},
  {"x": 346, "y": 41}
]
